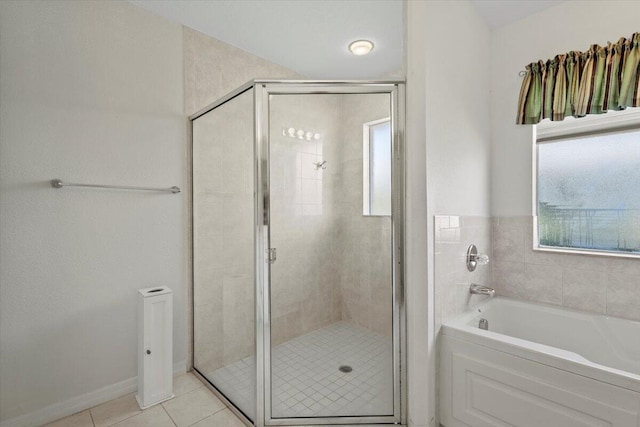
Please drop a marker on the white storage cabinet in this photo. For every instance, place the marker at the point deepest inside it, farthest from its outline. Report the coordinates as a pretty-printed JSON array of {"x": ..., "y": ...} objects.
[{"x": 155, "y": 346}]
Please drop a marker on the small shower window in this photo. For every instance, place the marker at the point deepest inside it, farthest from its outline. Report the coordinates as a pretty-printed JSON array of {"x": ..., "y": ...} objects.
[
  {"x": 587, "y": 175},
  {"x": 377, "y": 168}
]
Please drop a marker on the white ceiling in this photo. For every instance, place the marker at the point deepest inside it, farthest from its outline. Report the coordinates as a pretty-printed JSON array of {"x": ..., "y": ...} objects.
[
  {"x": 501, "y": 12},
  {"x": 311, "y": 36}
]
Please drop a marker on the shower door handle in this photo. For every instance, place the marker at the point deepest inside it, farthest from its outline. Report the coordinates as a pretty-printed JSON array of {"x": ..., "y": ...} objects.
[{"x": 272, "y": 255}]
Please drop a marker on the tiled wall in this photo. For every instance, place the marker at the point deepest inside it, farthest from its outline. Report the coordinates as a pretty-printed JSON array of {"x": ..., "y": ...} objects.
[
  {"x": 224, "y": 301},
  {"x": 304, "y": 279},
  {"x": 599, "y": 284},
  {"x": 223, "y": 198},
  {"x": 453, "y": 235},
  {"x": 333, "y": 262},
  {"x": 364, "y": 241},
  {"x": 213, "y": 68}
]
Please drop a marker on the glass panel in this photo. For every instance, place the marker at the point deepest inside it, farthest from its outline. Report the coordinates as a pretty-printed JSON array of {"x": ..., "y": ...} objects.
[
  {"x": 380, "y": 168},
  {"x": 223, "y": 246},
  {"x": 331, "y": 286},
  {"x": 588, "y": 192}
]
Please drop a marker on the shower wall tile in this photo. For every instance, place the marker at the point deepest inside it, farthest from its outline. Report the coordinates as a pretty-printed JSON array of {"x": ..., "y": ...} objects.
[
  {"x": 364, "y": 241},
  {"x": 223, "y": 235},
  {"x": 623, "y": 296},
  {"x": 222, "y": 205},
  {"x": 507, "y": 277},
  {"x": 585, "y": 290},
  {"x": 543, "y": 283},
  {"x": 333, "y": 262},
  {"x": 303, "y": 279},
  {"x": 213, "y": 68},
  {"x": 208, "y": 334},
  {"x": 508, "y": 241},
  {"x": 598, "y": 284}
]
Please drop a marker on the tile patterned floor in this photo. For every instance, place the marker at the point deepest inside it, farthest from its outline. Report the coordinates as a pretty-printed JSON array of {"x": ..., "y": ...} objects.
[
  {"x": 306, "y": 383},
  {"x": 306, "y": 378},
  {"x": 194, "y": 405}
]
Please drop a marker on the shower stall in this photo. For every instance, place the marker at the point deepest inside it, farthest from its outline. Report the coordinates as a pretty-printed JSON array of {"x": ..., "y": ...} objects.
[{"x": 297, "y": 215}]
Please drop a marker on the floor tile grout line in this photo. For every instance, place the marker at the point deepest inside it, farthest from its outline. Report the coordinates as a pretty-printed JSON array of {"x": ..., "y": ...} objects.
[
  {"x": 208, "y": 416},
  {"x": 124, "y": 419},
  {"x": 91, "y": 416},
  {"x": 168, "y": 414}
]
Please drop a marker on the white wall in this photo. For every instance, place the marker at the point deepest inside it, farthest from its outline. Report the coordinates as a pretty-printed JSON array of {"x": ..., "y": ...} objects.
[
  {"x": 448, "y": 114},
  {"x": 457, "y": 109},
  {"x": 419, "y": 303},
  {"x": 569, "y": 26},
  {"x": 91, "y": 92}
]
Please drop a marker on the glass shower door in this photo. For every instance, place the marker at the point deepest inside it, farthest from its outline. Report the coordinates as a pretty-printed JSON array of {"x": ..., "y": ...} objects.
[
  {"x": 333, "y": 318},
  {"x": 224, "y": 341}
]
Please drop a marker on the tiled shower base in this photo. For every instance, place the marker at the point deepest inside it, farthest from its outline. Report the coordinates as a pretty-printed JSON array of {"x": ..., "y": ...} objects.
[{"x": 307, "y": 381}]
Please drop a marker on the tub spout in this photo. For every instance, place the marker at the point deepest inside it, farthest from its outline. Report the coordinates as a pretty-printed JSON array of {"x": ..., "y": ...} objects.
[{"x": 481, "y": 290}]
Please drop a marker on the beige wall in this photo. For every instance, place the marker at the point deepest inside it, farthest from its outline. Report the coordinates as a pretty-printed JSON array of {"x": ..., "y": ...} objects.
[{"x": 86, "y": 99}]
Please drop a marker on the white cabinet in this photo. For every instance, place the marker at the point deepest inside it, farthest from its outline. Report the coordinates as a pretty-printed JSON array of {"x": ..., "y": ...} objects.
[{"x": 155, "y": 346}]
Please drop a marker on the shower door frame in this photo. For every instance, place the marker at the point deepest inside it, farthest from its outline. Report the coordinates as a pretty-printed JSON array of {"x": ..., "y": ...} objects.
[
  {"x": 249, "y": 86},
  {"x": 262, "y": 91}
]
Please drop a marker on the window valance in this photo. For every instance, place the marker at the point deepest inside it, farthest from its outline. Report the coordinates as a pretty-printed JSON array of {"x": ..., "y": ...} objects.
[{"x": 580, "y": 83}]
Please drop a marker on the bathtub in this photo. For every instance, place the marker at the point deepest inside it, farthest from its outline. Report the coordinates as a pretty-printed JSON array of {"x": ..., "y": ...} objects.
[{"x": 539, "y": 366}]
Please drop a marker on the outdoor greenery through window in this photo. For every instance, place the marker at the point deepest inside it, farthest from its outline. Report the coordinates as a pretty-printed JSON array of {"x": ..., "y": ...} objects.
[{"x": 588, "y": 190}]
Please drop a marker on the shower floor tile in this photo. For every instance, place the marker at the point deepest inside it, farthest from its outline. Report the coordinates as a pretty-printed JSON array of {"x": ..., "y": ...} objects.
[{"x": 307, "y": 381}]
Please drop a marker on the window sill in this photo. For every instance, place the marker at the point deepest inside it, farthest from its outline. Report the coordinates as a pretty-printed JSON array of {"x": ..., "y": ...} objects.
[{"x": 588, "y": 252}]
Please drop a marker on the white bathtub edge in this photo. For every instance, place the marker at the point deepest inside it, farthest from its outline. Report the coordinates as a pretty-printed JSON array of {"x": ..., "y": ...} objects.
[{"x": 550, "y": 356}]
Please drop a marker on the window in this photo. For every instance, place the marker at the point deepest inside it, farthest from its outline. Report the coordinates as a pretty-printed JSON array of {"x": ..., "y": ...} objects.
[
  {"x": 377, "y": 168},
  {"x": 587, "y": 184}
]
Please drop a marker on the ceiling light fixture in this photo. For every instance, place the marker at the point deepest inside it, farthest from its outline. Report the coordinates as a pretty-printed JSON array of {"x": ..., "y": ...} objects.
[{"x": 361, "y": 47}]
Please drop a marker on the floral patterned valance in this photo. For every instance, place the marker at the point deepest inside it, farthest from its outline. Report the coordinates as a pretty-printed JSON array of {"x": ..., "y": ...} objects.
[{"x": 580, "y": 83}]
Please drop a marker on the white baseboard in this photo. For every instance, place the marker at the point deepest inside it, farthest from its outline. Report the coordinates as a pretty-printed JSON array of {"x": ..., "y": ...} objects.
[
  {"x": 180, "y": 367},
  {"x": 80, "y": 403}
]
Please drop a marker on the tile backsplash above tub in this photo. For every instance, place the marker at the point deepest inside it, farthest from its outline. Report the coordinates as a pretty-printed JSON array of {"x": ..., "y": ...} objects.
[
  {"x": 593, "y": 283},
  {"x": 599, "y": 284},
  {"x": 453, "y": 235}
]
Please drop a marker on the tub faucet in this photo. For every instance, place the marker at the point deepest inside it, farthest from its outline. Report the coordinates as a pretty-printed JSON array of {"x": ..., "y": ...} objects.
[{"x": 481, "y": 290}]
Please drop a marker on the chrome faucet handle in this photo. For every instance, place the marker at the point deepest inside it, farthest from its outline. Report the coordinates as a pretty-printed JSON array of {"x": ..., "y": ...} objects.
[
  {"x": 474, "y": 258},
  {"x": 482, "y": 259}
]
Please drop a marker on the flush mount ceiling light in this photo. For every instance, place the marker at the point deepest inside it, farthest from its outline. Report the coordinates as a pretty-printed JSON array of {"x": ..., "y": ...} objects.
[{"x": 361, "y": 47}]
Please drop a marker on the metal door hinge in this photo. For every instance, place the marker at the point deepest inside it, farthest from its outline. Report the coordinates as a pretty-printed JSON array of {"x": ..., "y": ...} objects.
[{"x": 272, "y": 255}]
